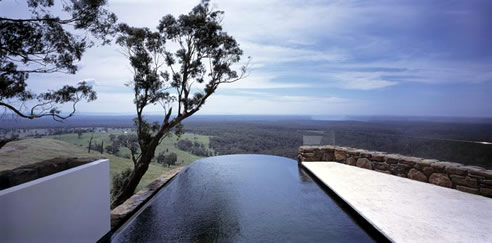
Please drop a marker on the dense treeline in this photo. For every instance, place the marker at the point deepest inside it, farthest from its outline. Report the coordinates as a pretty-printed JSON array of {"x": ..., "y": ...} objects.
[
  {"x": 195, "y": 148},
  {"x": 241, "y": 138},
  {"x": 458, "y": 142},
  {"x": 442, "y": 141}
]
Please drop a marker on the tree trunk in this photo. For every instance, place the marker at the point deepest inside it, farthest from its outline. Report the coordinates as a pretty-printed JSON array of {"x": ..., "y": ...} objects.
[
  {"x": 90, "y": 144},
  {"x": 138, "y": 172}
]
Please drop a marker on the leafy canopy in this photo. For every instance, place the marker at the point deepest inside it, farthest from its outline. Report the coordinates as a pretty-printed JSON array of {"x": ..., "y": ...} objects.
[
  {"x": 178, "y": 66},
  {"x": 46, "y": 43}
]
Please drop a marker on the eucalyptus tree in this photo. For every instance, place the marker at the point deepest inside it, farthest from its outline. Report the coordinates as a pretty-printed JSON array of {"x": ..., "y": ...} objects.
[
  {"x": 179, "y": 67},
  {"x": 52, "y": 39}
]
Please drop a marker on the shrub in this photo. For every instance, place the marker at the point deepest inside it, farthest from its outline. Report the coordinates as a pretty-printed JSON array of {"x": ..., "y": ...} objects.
[{"x": 119, "y": 181}]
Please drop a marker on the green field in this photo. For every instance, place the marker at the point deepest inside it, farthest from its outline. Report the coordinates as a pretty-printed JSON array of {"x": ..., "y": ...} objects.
[
  {"x": 32, "y": 150},
  {"x": 184, "y": 158}
]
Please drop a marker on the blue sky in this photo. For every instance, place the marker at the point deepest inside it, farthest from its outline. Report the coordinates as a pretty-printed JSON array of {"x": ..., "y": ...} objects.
[{"x": 416, "y": 57}]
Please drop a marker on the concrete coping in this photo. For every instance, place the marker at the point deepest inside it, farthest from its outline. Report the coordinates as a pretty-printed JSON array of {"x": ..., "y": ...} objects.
[{"x": 407, "y": 210}]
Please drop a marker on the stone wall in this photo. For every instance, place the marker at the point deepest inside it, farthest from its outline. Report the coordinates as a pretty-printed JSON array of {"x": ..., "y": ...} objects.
[{"x": 471, "y": 179}]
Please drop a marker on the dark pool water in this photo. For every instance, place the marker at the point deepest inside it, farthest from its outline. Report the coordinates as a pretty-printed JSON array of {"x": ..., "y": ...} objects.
[{"x": 242, "y": 198}]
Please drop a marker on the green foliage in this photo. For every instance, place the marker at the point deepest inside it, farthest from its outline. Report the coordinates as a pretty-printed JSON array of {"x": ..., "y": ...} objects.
[
  {"x": 130, "y": 142},
  {"x": 205, "y": 55},
  {"x": 113, "y": 148},
  {"x": 42, "y": 44},
  {"x": 168, "y": 159},
  {"x": 195, "y": 148},
  {"x": 119, "y": 181}
]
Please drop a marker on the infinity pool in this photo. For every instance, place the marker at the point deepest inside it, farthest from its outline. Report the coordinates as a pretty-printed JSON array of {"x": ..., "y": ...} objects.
[{"x": 242, "y": 198}]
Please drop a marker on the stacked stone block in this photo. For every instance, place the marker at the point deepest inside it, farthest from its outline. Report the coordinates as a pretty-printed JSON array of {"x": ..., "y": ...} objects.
[{"x": 471, "y": 179}]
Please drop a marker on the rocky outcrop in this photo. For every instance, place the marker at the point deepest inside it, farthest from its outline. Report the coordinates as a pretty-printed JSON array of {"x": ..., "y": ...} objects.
[{"x": 471, "y": 179}]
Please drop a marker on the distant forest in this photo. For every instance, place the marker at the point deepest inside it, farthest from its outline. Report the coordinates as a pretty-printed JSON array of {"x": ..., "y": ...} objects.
[
  {"x": 455, "y": 142},
  {"x": 442, "y": 140}
]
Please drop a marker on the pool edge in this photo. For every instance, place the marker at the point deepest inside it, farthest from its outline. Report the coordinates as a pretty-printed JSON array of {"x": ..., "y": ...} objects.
[{"x": 371, "y": 229}]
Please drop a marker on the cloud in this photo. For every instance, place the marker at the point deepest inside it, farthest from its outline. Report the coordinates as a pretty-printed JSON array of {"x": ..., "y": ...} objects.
[
  {"x": 302, "y": 50},
  {"x": 361, "y": 81},
  {"x": 275, "y": 105},
  {"x": 259, "y": 80},
  {"x": 267, "y": 54}
]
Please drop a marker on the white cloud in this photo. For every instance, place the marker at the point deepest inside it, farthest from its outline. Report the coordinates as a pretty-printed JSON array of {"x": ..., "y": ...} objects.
[
  {"x": 360, "y": 81},
  {"x": 341, "y": 44},
  {"x": 276, "y": 105},
  {"x": 259, "y": 80},
  {"x": 265, "y": 54}
]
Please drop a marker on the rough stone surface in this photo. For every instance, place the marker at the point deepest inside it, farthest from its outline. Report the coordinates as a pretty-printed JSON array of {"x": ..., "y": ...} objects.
[
  {"x": 440, "y": 180},
  {"x": 417, "y": 175},
  {"x": 456, "y": 170},
  {"x": 468, "y": 189},
  {"x": 364, "y": 163},
  {"x": 486, "y": 191},
  {"x": 308, "y": 156},
  {"x": 486, "y": 182},
  {"x": 428, "y": 171},
  {"x": 408, "y": 161},
  {"x": 421, "y": 164},
  {"x": 481, "y": 173},
  {"x": 438, "y": 167},
  {"x": 339, "y": 155},
  {"x": 464, "y": 181},
  {"x": 379, "y": 157},
  {"x": 380, "y": 166},
  {"x": 365, "y": 154},
  {"x": 392, "y": 158},
  {"x": 328, "y": 156},
  {"x": 398, "y": 169},
  {"x": 351, "y": 161},
  {"x": 443, "y": 173}
]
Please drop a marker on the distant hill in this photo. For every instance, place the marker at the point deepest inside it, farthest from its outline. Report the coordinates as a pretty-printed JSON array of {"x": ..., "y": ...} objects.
[{"x": 28, "y": 151}]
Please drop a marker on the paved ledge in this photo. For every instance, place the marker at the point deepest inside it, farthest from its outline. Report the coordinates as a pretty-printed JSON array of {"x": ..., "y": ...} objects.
[
  {"x": 406, "y": 210},
  {"x": 132, "y": 204}
]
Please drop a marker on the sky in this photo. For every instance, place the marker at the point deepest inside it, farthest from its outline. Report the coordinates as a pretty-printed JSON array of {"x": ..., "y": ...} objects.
[{"x": 313, "y": 57}]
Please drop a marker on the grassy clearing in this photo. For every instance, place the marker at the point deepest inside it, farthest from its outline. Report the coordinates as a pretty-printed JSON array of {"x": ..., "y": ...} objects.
[
  {"x": 167, "y": 145},
  {"x": 27, "y": 151},
  {"x": 119, "y": 163},
  {"x": 32, "y": 150}
]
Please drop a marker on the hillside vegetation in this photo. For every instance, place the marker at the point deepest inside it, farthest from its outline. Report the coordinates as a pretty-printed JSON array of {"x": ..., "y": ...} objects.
[
  {"x": 167, "y": 145},
  {"x": 28, "y": 151}
]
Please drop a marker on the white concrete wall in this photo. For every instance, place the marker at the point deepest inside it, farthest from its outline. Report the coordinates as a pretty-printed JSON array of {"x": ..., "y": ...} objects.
[{"x": 69, "y": 206}]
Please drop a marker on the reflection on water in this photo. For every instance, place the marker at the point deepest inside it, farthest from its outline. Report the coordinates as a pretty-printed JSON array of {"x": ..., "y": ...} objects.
[{"x": 242, "y": 198}]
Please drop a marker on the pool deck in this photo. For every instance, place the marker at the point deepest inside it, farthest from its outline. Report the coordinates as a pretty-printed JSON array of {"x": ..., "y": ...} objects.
[{"x": 405, "y": 210}]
